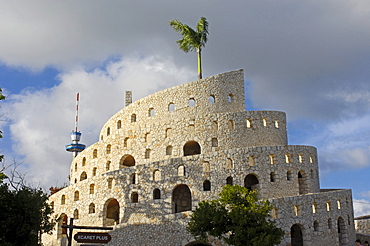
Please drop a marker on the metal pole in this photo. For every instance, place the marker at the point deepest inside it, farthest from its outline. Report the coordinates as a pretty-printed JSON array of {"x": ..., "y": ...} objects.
[{"x": 70, "y": 231}]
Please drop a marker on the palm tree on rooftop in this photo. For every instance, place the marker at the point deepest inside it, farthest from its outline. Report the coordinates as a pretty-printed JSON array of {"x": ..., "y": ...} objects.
[{"x": 192, "y": 39}]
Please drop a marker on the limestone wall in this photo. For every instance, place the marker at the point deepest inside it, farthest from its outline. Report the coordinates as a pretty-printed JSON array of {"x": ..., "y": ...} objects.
[
  {"x": 318, "y": 221},
  {"x": 151, "y": 155}
]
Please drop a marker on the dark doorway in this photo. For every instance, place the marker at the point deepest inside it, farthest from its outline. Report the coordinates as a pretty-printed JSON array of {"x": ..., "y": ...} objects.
[
  {"x": 296, "y": 235},
  {"x": 250, "y": 181},
  {"x": 181, "y": 199}
]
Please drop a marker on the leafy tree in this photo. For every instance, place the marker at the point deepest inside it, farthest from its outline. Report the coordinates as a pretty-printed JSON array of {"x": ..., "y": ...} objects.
[
  {"x": 237, "y": 217},
  {"x": 192, "y": 39},
  {"x": 25, "y": 213}
]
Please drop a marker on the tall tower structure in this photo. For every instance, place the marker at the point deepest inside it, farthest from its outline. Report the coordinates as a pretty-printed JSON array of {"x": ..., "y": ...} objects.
[{"x": 75, "y": 147}]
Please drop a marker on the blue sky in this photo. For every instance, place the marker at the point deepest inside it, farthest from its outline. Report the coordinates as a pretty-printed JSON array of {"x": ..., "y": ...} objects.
[{"x": 309, "y": 59}]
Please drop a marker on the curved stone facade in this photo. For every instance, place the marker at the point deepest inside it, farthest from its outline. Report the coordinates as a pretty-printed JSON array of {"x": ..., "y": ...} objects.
[{"x": 161, "y": 155}]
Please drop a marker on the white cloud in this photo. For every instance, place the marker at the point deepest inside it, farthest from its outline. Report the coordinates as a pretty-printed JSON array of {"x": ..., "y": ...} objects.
[
  {"x": 361, "y": 207},
  {"x": 42, "y": 120},
  {"x": 307, "y": 58}
]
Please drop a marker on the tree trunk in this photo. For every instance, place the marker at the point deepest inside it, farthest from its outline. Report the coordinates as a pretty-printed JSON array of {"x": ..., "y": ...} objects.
[{"x": 199, "y": 64}]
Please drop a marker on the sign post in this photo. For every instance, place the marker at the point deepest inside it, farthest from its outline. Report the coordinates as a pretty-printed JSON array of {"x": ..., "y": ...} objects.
[{"x": 87, "y": 237}]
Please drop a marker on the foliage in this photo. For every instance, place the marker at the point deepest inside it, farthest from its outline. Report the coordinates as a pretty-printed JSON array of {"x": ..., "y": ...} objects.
[
  {"x": 192, "y": 40},
  {"x": 25, "y": 213},
  {"x": 237, "y": 217}
]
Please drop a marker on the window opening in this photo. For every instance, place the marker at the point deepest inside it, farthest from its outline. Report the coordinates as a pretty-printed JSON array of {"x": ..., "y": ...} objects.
[
  {"x": 156, "y": 194},
  {"x": 206, "y": 185},
  {"x": 171, "y": 107},
  {"x": 191, "y": 102}
]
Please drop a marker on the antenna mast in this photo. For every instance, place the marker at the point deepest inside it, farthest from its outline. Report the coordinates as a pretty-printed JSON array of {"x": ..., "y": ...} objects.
[{"x": 75, "y": 147}]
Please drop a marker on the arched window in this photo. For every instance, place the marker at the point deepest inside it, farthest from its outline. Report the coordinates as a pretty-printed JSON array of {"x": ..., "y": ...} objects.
[
  {"x": 316, "y": 225},
  {"x": 230, "y": 98},
  {"x": 251, "y": 182},
  {"x": 84, "y": 161},
  {"x": 230, "y": 125},
  {"x": 330, "y": 224},
  {"x": 214, "y": 125},
  {"x": 151, "y": 112},
  {"x": 214, "y": 142},
  {"x": 95, "y": 153},
  {"x": 119, "y": 124},
  {"x": 338, "y": 204},
  {"x": 92, "y": 208},
  {"x": 212, "y": 99},
  {"x": 265, "y": 121},
  {"x": 125, "y": 142},
  {"x": 296, "y": 210},
  {"x": 314, "y": 207},
  {"x": 94, "y": 171},
  {"x": 328, "y": 206},
  {"x": 191, "y": 128},
  {"x": 107, "y": 165},
  {"x": 276, "y": 123},
  {"x": 157, "y": 175},
  {"x": 92, "y": 189},
  {"x": 148, "y": 137},
  {"x": 133, "y": 118},
  {"x": 83, "y": 176},
  {"x": 192, "y": 148},
  {"x": 311, "y": 160},
  {"x": 287, "y": 158},
  {"x": 109, "y": 148},
  {"x": 251, "y": 160},
  {"x": 181, "y": 170},
  {"x": 108, "y": 131},
  {"x": 191, "y": 102},
  {"x": 112, "y": 212},
  {"x": 229, "y": 180},
  {"x": 156, "y": 194},
  {"x": 171, "y": 107},
  {"x": 289, "y": 175},
  {"x": 272, "y": 177},
  {"x": 133, "y": 178},
  {"x": 127, "y": 161},
  {"x": 229, "y": 163},
  {"x": 206, "y": 167},
  {"x": 302, "y": 182},
  {"x": 249, "y": 123},
  {"x": 169, "y": 150},
  {"x": 312, "y": 174},
  {"x": 300, "y": 158},
  {"x": 75, "y": 214},
  {"x": 134, "y": 197},
  {"x": 63, "y": 200},
  {"x": 272, "y": 159},
  {"x": 147, "y": 153},
  {"x": 206, "y": 185},
  {"x": 168, "y": 132},
  {"x": 181, "y": 199},
  {"x": 110, "y": 183},
  {"x": 77, "y": 195},
  {"x": 75, "y": 167}
]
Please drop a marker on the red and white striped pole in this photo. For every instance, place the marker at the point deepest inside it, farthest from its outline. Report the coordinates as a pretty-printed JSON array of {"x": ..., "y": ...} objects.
[{"x": 77, "y": 102}]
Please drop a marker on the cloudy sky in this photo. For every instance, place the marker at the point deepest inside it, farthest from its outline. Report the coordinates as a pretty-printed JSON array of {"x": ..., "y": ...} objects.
[{"x": 310, "y": 59}]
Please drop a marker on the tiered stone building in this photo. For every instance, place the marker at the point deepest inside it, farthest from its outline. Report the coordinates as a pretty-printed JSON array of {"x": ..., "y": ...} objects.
[{"x": 161, "y": 155}]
